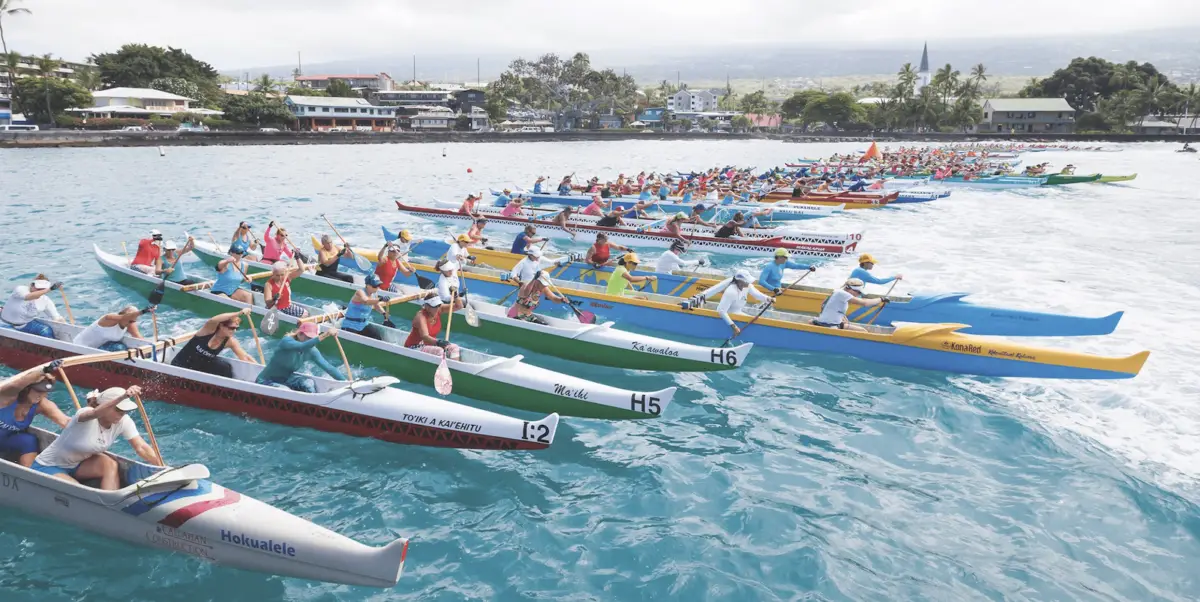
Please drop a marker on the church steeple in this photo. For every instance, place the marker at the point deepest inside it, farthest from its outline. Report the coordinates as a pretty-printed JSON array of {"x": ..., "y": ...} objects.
[
  {"x": 924, "y": 59},
  {"x": 923, "y": 74}
]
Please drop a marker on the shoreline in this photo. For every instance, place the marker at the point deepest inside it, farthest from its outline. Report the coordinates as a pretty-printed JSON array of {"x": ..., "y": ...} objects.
[{"x": 86, "y": 139}]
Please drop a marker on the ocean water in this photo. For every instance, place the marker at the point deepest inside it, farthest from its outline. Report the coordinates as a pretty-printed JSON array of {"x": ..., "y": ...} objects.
[{"x": 798, "y": 477}]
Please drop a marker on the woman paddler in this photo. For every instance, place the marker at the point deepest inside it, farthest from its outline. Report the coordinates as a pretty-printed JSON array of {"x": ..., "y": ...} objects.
[
  {"x": 475, "y": 232},
  {"x": 202, "y": 352},
  {"x": 621, "y": 277},
  {"x": 245, "y": 235},
  {"x": 30, "y": 307},
  {"x": 447, "y": 284},
  {"x": 863, "y": 272},
  {"x": 736, "y": 290},
  {"x": 530, "y": 295},
  {"x": 22, "y": 397},
  {"x": 672, "y": 259},
  {"x": 275, "y": 247},
  {"x": 514, "y": 207},
  {"x": 426, "y": 326},
  {"x": 328, "y": 257},
  {"x": 230, "y": 276},
  {"x": 358, "y": 312},
  {"x": 277, "y": 290},
  {"x": 599, "y": 254},
  {"x": 674, "y": 225},
  {"x": 771, "y": 276},
  {"x": 390, "y": 263},
  {"x": 598, "y": 207},
  {"x": 732, "y": 227},
  {"x": 109, "y": 332},
  {"x": 173, "y": 265},
  {"x": 561, "y": 220},
  {"x": 833, "y": 310},
  {"x": 282, "y": 370}
]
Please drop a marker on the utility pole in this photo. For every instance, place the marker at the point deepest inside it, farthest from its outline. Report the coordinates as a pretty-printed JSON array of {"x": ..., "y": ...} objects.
[
  {"x": 299, "y": 64},
  {"x": 414, "y": 69},
  {"x": 677, "y": 80},
  {"x": 478, "y": 77}
]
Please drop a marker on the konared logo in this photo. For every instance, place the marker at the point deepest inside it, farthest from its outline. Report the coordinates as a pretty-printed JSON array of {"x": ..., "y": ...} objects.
[{"x": 266, "y": 545}]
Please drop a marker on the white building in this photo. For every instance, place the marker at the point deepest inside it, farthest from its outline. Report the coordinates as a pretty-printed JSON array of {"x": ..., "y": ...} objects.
[
  {"x": 323, "y": 114},
  {"x": 141, "y": 103},
  {"x": 923, "y": 74},
  {"x": 692, "y": 100}
]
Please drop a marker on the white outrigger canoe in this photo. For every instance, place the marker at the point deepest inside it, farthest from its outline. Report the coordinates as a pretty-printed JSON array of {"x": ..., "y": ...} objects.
[
  {"x": 365, "y": 408},
  {"x": 180, "y": 510},
  {"x": 787, "y": 233},
  {"x": 506, "y": 381}
]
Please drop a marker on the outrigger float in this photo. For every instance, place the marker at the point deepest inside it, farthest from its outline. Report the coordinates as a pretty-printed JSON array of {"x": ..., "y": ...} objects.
[
  {"x": 596, "y": 344},
  {"x": 630, "y": 236},
  {"x": 364, "y": 408},
  {"x": 929, "y": 309},
  {"x": 505, "y": 381},
  {"x": 940, "y": 347}
]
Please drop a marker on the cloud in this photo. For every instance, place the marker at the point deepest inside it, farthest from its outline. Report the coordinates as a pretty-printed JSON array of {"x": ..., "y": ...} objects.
[{"x": 240, "y": 33}]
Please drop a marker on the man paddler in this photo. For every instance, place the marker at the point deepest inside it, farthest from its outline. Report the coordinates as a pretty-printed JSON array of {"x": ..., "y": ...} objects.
[
  {"x": 771, "y": 277},
  {"x": 863, "y": 272}
]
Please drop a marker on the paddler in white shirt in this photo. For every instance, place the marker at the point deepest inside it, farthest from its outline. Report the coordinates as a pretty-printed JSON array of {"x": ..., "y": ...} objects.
[
  {"x": 671, "y": 260},
  {"x": 736, "y": 290},
  {"x": 833, "y": 311},
  {"x": 447, "y": 284}
]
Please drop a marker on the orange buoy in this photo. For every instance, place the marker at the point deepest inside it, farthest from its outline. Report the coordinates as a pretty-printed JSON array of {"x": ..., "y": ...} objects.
[{"x": 469, "y": 170}]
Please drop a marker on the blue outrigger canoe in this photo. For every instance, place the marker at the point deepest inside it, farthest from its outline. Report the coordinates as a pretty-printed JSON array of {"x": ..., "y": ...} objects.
[{"x": 926, "y": 309}]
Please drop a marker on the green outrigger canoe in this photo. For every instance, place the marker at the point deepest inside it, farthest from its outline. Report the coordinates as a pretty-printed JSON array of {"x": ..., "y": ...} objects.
[
  {"x": 1059, "y": 179},
  {"x": 505, "y": 381},
  {"x": 1111, "y": 179},
  {"x": 597, "y": 344}
]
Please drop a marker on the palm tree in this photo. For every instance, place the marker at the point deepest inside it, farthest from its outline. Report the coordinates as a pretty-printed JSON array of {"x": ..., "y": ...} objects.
[
  {"x": 46, "y": 65},
  {"x": 908, "y": 79},
  {"x": 1124, "y": 78},
  {"x": 12, "y": 61},
  {"x": 265, "y": 84},
  {"x": 88, "y": 77},
  {"x": 979, "y": 73},
  {"x": 1151, "y": 98},
  {"x": 7, "y": 8}
]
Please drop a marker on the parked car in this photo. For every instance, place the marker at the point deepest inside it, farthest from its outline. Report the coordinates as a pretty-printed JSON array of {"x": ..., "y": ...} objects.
[
  {"x": 132, "y": 128},
  {"x": 268, "y": 129},
  {"x": 19, "y": 128}
]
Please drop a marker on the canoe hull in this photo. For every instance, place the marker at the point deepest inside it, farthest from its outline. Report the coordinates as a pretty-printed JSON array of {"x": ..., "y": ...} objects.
[{"x": 673, "y": 205}]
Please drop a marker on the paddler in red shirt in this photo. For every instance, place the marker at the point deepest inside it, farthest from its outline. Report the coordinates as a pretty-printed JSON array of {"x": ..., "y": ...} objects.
[
  {"x": 600, "y": 253},
  {"x": 148, "y": 259},
  {"x": 389, "y": 264},
  {"x": 426, "y": 326}
]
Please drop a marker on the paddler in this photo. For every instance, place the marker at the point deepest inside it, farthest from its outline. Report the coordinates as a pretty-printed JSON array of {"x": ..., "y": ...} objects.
[
  {"x": 202, "y": 352},
  {"x": 564, "y": 187},
  {"x": 524, "y": 240},
  {"x": 108, "y": 333},
  {"x": 245, "y": 235},
  {"x": 358, "y": 313},
  {"x": 230, "y": 276},
  {"x": 390, "y": 263},
  {"x": 530, "y": 295},
  {"x": 148, "y": 259},
  {"x": 833, "y": 310},
  {"x": 664, "y": 189},
  {"x": 275, "y": 246},
  {"x": 328, "y": 257},
  {"x": 426, "y": 326},
  {"x": 79, "y": 453},
  {"x": 23, "y": 397},
  {"x": 732, "y": 227},
  {"x": 282, "y": 370},
  {"x": 1069, "y": 170},
  {"x": 672, "y": 260},
  {"x": 277, "y": 290},
  {"x": 561, "y": 220},
  {"x": 736, "y": 290},
  {"x": 459, "y": 252},
  {"x": 514, "y": 207},
  {"x": 598, "y": 207},
  {"x": 622, "y": 277},
  {"x": 528, "y": 266},
  {"x": 771, "y": 277},
  {"x": 673, "y": 226},
  {"x": 29, "y": 308},
  {"x": 599, "y": 254},
  {"x": 470, "y": 204},
  {"x": 172, "y": 262},
  {"x": 863, "y": 272},
  {"x": 537, "y": 186},
  {"x": 475, "y": 232},
  {"x": 639, "y": 209},
  {"x": 697, "y": 216},
  {"x": 447, "y": 284}
]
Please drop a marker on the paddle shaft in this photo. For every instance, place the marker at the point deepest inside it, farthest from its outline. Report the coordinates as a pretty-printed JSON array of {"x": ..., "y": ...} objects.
[
  {"x": 881, "y": 302},
  {"x": 345, "y": 362},
  {"x": 154, "y": 322},
  {"x": 66, "y": 381},
  {"x": 149, "y": 430},
  {"x": 335, "y": 230},
  {"x": 67, "y": 305},
  {"x": 766, "y": 306},
  {"x": 257, "y": 343},
  {"x": 450, "y": 316}
]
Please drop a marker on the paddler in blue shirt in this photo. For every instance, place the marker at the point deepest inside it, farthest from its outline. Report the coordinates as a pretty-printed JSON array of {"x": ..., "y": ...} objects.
[
  {"x": 645, "y": 195},
  {"x": 524, "y": 239},
  {"x": 687, "y": 192},
  {"x": 664, "y": 190},
  {"x": 537, "y": 186},
  {"x": 863, "y": 271},
  {"x": 771, "y": 277},
  {"x": 283, "y": 368}
]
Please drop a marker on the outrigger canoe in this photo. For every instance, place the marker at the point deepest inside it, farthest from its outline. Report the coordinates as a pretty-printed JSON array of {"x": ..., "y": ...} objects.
[
  {"x": 787, "y": 233},
  {"x": 596, "y": 344},
  {"x": 629, "y": 236},
  {"x": 1058, "y": 179},
  {"x": 364, "y": 408},
  {"x": 793, "y": 212},
  {"x": 178, "y": 509},
  {"x": 928, "y": 346},
  {"x": 506, "y": 381},
  {"x": 851, "y": 200},
  {"x": 930, "y": 309},
  {"x": 1110, "y": 179}
]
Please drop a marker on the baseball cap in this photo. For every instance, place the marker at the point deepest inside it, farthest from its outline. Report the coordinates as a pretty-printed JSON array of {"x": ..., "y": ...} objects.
[
  {"x": 111, "y": 393},
  {"x": 781, "y": 252},
  {"x": 855, "y": 284},
  {"x": 534, "y": 253},
  {"x": 309, "y": 329},
  {"x": 170, "y": 245},
  {"x": 41, "y": 284},
  {"x": 742, "y": 275}
]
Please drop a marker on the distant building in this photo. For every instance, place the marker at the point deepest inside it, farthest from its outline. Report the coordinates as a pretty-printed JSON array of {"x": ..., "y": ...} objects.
[
  {"x": 923, "y": 74},
  {"x": 692, "y": 100},
  {"x": 720, "y": 119},
  {"x": 5, "y": 111},
  {"x": 27, "y": 66},
  {"x": 1027, "y": 115},
  {"x": 379, "y": 81},
  {"x": 610, "y": 122},
  {"x": 139, "y": 103},
  {"x": 469, "y": 99},
  {"x": 764, "y": 121},
  {"x": 323, "y": 114},
  {"x": 1166, "y": 125},
  {"x": 433, "y": 119},
  {"x": 413, "y": 98},
  {"x": 652, "y": 116}
]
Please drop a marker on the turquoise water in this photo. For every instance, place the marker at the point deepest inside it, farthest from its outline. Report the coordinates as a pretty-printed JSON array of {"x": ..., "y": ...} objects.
[{"x": 799, "y": 477}]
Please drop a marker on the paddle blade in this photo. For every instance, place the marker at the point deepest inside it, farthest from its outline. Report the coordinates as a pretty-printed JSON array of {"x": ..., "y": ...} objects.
[
  {"x": 442, "y": 382},
  {"x": 472, "y": 317},
  {"x": 424, "y": 282},
  {"x": 156, "y": 295},
  {"x": 587, "y": 317},
  {"x": 362, "y": 263},
  {"x": 270, "y": 323}
]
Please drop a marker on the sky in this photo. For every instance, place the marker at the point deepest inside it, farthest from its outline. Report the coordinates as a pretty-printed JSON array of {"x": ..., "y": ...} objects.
[{"x": 231, "y": 34}]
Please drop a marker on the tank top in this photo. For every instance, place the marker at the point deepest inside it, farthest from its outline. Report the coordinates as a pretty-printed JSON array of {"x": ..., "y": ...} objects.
[
  {"x": 725, "y": 231},
  {"x": 357, "y": 316},
  {"x": 227, "y": 281},
  {"x": 197, "y": 355},
  {"x": 147, "y": 252},
  {"x": 9, "y": 422},
  {"x": 616, "y": 284},
  {"x": 178, "y": 274},
  {"x": 433, "y": 324},
  {"x": 602, "y": 253},
  {"x": 283, "y": 296},
  {"x": 386, "y": 270},
  {"x": 96, "y": 335}
]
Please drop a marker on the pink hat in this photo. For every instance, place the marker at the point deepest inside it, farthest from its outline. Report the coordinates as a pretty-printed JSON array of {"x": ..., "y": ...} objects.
[{"x": 308, "y": 329}]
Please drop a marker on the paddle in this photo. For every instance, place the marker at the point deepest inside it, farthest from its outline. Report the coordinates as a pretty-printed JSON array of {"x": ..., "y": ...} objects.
[
  {"x": 206, "y": 285},
  {"x": 443, "y": 383},
  {"x": 149, "y": 429},
  {"x": 66, "y": 381},
  {"x": 342, "y": 351},
  {"x": 878, "y": 309},
  {"x": 126, "y": 250},
  {"x": 585, "y": 317},
  {"x": 66, "y": 304},
  {"x": 156, "y": 296},
  {"x": 262, "y": 360},
  {"x": 359, "y": 260},
  {"x": 766, "y": 306},
  {"x": 299, "y": 255}
]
